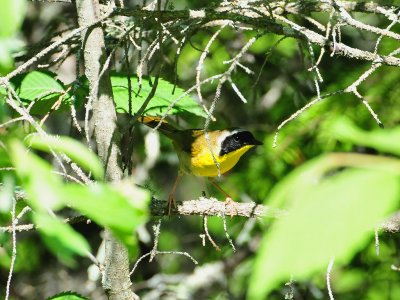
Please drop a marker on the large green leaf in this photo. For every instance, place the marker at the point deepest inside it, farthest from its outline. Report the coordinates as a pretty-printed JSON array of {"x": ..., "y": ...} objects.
[
  {"x": 159, "y": 103},
  {"x": 108, "y": 207},
  {"x": 297, "y": 184},
  {"x": 12, "y": 14},
  {"x": 331, "y": 217},
  {"x": 385, "y": 140},
  {"x": 75, "y": 150},
  {"x": 41, "y": 87},
  {"x": 60, "y": 238},
  {"x": 43, "y": 186},
  {"x": 45, "y": 191},
  {"x": 9, "y": 46}
]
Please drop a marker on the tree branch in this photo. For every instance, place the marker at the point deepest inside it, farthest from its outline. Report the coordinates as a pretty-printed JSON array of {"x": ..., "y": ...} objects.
[
  {"x": 200, "y": 207},
  {"x": 261, "y": 18},
  {"x": 214, "y": 207},
  {"x": 211, "y": 207},
  {"x": 392, "y": 224}
]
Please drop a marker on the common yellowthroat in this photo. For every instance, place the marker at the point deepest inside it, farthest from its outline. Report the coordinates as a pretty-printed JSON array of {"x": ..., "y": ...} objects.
[{"x": 206, "y": 154}]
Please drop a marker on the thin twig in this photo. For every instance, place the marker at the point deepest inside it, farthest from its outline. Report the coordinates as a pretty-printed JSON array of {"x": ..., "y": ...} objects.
[
  {"x": 207, "y": 234},
  {"x": 53, "y": 46},
  {"x": 163, "y": 253},
  {"x": 328, "y": 278},
  {"x": 377, "y": 248},
  {"x": 14, "y": 248},
  {"x": 227, "y": 234},
  {"x": 156, "y": 230}
]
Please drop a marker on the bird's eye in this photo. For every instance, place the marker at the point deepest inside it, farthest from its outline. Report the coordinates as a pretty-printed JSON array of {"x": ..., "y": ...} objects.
[{"x": 236, "y": 138}]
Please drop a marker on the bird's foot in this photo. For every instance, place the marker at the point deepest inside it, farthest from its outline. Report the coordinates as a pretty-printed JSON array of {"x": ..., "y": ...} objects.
[
  {"x": 171, "y": 203},
  {"x": 232, "y": 205}
]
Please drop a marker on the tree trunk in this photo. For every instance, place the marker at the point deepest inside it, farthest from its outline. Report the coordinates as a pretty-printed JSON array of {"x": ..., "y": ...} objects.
[{"x": 116, "y": 279}]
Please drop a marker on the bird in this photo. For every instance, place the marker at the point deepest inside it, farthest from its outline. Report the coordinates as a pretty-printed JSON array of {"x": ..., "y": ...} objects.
[{"x": 204, "y": 153}]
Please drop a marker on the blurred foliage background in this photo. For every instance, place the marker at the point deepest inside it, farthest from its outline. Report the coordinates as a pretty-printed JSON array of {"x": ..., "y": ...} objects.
[{"x": 279, "y": 85}]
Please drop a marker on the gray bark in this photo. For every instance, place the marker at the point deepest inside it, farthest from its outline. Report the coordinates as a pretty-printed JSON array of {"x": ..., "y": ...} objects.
[{"x": 116, "y": 280}]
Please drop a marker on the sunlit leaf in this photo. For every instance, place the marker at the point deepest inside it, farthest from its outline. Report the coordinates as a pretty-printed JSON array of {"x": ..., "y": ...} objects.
[
  {"x": 12, "y": 14},
  {"x": 60, "y": 238},
  {"x": 41, "y": 87},
  {"x": 8, "y": 46},
  {"x": 334, "y": 218},
  {"x": 108, "y": 207},
  {"x": 297, "y": 184},
  {"x": 75, "y": 150},
  {"x": 6, "y": 59},
  {"x": 42, "y": 186},
  {"x": 385, "y": 140},
  {"x": 159, "y": 103},
  {"x": 36, "y": 85}
]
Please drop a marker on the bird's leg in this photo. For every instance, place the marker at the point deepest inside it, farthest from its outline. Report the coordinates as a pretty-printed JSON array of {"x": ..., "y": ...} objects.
[
  {"x": 219, "y": 188},
  {"x": 228, "y": 201},
  {"x": 171, "y": 197}
]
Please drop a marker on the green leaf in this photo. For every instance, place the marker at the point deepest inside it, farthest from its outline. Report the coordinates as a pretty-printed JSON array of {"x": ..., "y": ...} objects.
[
  {"x": 3, "y": 94},
  {"x": 67, "y": 296},
  {"x": 333, "y": 218},
  {"x": 75, "y": 150},
  {"x": 28, "y": 255},
  {"x": 6, "y": 194},
  {"x": 4, "y": 162},
  {"x": 60, "y": 238},
  {"x": 6, "y": 59},
  {"x": 298, "y": 183},
  {"x": 8, "y": 46},
  {"x": 42, "y": 186},
  {"x": 110, "y": 208},
  {"x": 41, "y": 87},
  {"x": 12, "y": 14},
  {"x": 159, "y": 103},
  {"x": 385, "y": 140}
]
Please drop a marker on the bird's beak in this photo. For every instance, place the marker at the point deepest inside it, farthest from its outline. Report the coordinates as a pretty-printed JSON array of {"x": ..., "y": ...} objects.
[{"x": 256, "y": 142}]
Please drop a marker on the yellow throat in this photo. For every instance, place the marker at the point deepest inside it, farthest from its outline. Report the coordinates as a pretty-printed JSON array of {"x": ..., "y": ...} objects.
[{"x": 203, "y": 164}]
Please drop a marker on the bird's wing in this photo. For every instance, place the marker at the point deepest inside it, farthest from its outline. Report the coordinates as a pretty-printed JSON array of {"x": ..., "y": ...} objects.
[{"x": 165, "y": 128}]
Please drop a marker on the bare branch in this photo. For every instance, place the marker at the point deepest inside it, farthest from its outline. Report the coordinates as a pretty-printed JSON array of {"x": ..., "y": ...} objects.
[
  {"x": 53, "y": 46},
  {"x": 345, "y": 16},
  {"x": 262, "y": 19},
  {"x": 392, "y": 224},
  {"x": 205, "y": 207},
  {"x": 28, "y": 227},
  {"x": 213, "y": 207}
]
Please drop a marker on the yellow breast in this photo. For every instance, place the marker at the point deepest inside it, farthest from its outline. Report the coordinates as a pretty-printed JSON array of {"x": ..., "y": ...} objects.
[{"x": 203, "y": 164}]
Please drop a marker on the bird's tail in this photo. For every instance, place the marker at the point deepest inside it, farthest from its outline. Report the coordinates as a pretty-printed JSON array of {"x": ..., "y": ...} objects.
[{"x": 162, "y": 125}]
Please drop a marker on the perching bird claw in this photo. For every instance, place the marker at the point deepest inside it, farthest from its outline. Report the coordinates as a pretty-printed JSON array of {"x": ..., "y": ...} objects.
[
  {"x": 233, "y": 206},
  {"x": 171, "y": 202}
]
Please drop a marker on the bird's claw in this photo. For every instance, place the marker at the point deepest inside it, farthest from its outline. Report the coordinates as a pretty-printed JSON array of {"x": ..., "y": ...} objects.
[
  {"x": 171, "y": 202},
  {"x": 233, "y": 206}
]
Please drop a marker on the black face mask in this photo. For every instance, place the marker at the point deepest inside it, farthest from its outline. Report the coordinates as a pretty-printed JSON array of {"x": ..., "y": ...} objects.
[{"x": 237, "y": 141}]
